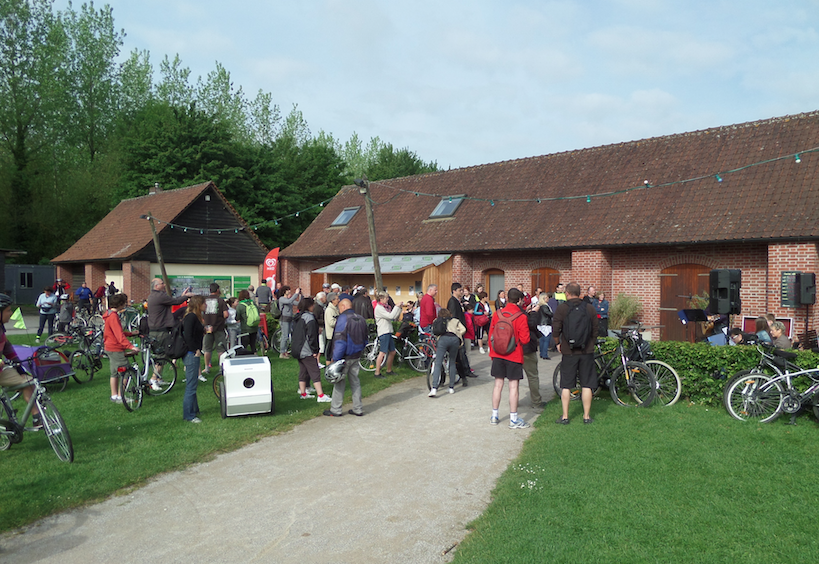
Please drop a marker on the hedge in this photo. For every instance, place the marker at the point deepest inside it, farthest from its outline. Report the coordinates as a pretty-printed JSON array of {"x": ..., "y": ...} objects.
[{"x": 705, "y": 369}]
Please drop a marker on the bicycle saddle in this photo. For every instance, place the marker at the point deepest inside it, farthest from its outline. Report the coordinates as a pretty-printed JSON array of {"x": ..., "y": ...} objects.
[{"x": 784, "y": 354}]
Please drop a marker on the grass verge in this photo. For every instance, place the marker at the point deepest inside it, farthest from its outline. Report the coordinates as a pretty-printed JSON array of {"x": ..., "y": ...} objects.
[
  {"x": 679, "y": 484},
  {"x": 115, "y": 449}
]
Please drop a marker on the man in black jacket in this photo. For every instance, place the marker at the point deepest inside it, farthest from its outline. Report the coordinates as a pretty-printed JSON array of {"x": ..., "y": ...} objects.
[
  {"x": 457, "y": 311},
  {"x": 530, "y": 356}
]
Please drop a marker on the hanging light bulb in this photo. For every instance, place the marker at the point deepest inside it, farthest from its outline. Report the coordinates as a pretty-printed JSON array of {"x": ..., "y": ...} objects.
[
  {"x": 718, "y": 177},
  {"x": 798, "y": 158},
  {"x": 588, "y": 199}
]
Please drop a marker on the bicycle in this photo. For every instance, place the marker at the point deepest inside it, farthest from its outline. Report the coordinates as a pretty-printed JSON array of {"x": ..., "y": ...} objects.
[
  {"x": 12, "y": 428},
  {"x": 631, "y": 383},
  {"x": 277, "y": 340},
  {"x": 135, "y": 382},
  {"x": 87, "y": 359},
  {"x": 669, "y": 385},
  {"x": 753, "y": 395},
  {"x": 89, "y": 318},
  {"x": 419, "y": 356}
]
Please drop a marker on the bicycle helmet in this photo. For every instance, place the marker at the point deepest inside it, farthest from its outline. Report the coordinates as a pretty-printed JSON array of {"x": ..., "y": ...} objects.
[
  {"x": 335, "y": 372},
  {"x": 5, "y": 301}
]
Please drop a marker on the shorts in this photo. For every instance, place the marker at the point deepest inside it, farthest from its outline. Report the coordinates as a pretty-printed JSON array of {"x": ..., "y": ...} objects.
[
  {"x": 309, "y": 370},
  {"x": 502, "y": 368},
  {"x": 10, "y": 377},
  {"x": 386, "y": 343},
  {"x": 214, "y": 341},
  {"x": 116, "y": 359},
  {"x": 162, "y": 337},
  {"x": 578, "y": 366}
]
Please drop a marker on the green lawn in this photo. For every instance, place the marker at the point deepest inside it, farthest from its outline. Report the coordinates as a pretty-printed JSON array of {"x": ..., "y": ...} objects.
[
  {"x": 678, "y": 484},
  {"x": 115, "y": 449}
]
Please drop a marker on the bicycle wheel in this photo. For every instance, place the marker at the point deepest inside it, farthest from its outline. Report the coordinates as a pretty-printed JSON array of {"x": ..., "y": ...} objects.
[
  {"x": 753, "y": 396},
  {"x": 634, "y": 386},
  {"x": 57, "y": 340},
  {"x": 167, "y": 376},
  {"x": 6, "y": 430},
  {"x": 96, "y": 321},
  {"x": 130, "y": 389},
  {"x": 55, "y": 379},
  {"x": 669, "y": 385},
  {"x": 420, "y": 357},
  {"x": 55, "y": 430},
  {"x": 277, "y": 340},
  {"x": 262, "y": 344},
  {"x": 217, "y": 385},
  {"x": 368, "y": 357},
  {"x": 82, "y": 365},
  {"x": 574, "y": 391}
]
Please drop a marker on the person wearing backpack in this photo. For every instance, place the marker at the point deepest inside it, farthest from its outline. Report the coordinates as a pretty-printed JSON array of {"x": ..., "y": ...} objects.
[
  {"x": 350, "y": 336},
  {"x": 244, "y": 311},
  {"x": 574, "y": 329},
  {"x": 508, "y": 332},
  {"x": 286, "y": 303},
  {"x": 449, "y": 331}
]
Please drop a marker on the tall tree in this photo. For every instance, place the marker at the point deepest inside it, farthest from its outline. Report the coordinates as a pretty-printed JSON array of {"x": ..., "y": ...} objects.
[
  {"x": 33, "y": 71},
  {"x": 92, "y": 75}
]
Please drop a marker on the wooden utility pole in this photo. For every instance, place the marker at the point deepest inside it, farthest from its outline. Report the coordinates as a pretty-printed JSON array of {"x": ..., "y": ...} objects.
[
  {"x": 364, "y": 188},
  {"x": 150, "y": 219}
]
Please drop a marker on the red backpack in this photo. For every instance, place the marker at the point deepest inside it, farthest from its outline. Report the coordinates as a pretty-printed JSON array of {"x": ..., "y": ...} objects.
[{"x": 503, "y": 336}]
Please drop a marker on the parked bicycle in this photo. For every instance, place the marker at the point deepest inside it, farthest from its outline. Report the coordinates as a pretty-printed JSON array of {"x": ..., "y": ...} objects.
[
  {"x": 87, "y": 359},
  {"x": 156, "y": 377},
  {"x": 669, "y": 385},
  {"x": 418, "y": 355},
  {"x": 12, "y": 427},
  {"x": 766, "y": 391},
  {"x": 631, "y": 383}
]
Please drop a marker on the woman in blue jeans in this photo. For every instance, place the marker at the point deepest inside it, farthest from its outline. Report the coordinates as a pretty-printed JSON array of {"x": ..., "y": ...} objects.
[{"x": 193, "y": 331}]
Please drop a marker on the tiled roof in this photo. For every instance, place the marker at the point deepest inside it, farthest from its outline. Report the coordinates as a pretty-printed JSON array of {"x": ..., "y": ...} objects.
[
  {"x": 779, "y": 200},
  {"x": 122, "y": 234}
]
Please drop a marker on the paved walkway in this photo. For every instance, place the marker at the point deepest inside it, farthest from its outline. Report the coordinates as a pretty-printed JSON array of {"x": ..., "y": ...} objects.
[{"x": 397, "y": 485}]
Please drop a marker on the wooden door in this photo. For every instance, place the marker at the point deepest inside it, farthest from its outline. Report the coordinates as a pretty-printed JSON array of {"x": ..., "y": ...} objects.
[
  {"x": 677, "y": 285},
  {"x": 316, "y": 282},
  {"x": 494, "y": 283},
  {"x": 546, "y": 278}
]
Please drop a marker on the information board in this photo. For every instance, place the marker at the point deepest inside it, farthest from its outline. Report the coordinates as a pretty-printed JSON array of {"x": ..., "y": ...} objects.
[{"x": 789, "y": 290}]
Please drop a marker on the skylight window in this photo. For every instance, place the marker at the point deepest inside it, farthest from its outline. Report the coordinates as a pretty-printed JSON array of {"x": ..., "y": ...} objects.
[
  {"x": 447, "y": 206},
  {"x": 345, "y": 217}
]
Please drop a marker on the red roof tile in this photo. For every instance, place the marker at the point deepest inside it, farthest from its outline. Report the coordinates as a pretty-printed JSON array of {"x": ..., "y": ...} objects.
[{"x": 777, "y": 200}]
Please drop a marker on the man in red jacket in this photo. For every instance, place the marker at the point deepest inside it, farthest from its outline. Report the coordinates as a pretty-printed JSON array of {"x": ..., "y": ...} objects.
[
  {"x": 428, "y": 310},
  {"x": 509, "y": 366}
]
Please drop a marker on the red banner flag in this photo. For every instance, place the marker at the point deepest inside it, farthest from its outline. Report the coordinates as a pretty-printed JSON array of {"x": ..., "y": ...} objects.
[{"x": 271, "y": 263}]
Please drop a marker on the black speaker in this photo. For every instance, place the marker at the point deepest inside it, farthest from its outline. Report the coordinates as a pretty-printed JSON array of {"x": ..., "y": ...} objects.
[
  {"x": 724, "y": 293},
  {"x": 807, "y": 288}
]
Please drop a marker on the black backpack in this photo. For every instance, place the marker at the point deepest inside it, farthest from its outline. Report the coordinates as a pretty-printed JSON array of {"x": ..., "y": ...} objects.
[
  {"x": 439, "y": 326},
  {"x": 176, "y": 343},
  {"x": 577, "y": 326}
]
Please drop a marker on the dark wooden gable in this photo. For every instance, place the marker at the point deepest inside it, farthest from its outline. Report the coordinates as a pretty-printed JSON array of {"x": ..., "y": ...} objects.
[{"x": 207, "y": 247}]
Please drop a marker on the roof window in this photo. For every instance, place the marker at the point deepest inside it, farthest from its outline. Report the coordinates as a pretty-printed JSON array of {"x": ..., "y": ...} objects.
[
  {"x": 345, "y": 217},
  {"x": 447, "y": 206}
]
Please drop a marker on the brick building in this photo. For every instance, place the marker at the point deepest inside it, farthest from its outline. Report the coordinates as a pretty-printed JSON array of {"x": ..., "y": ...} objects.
[
  {"x": 202, "y": 238},
  {"x": 649, "y": 218}
]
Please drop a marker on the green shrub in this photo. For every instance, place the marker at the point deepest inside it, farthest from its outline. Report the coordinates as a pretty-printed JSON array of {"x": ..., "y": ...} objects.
[
  {"x": 704, "y": 369},
  {"x": 623, "y": 308}
]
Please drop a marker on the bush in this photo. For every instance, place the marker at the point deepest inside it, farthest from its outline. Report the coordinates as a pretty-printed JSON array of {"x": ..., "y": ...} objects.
[
  {"x": 623, "y": 308},
  {"x": 704, "y": 369}
]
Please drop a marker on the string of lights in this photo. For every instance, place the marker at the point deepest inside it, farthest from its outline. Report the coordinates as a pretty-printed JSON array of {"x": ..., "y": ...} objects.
[{"x": 719, "y": 176}]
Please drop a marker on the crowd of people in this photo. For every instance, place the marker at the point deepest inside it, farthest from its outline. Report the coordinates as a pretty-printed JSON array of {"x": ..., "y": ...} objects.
[{"x": 334, "y": 323}]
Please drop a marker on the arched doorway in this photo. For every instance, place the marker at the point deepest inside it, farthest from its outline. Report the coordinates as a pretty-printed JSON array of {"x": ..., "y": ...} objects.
[
  {"x": 546, "y": 278},
  {"x": 677, "y": 285},
  {"x": 494, "y": 280}
]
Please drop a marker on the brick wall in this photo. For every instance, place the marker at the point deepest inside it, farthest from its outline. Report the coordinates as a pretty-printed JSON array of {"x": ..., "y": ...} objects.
[
  {"x": 95, "y": 275},
  {"x": 136, "y": 279},
  {"x": 636, "y": 271}
]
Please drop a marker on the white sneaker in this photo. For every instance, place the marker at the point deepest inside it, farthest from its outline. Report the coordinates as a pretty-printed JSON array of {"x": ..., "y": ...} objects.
[
  {"x": 324, "y": 399},
  {"x": 311, "y": 390},
  {"x": 483, "y": 350},
  {"x": 155, "y": 386},
  {"x": 306, "y": 396},
  {"x": 433, "y": 392},
  {"x": 452, "y": 390},
  {"x": 116, "y": 399},
  {"x": 202, "y": 378}
]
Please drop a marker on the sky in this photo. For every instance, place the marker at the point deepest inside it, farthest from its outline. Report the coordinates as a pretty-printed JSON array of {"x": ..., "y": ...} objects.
[{"x": 466, "y": 83}]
